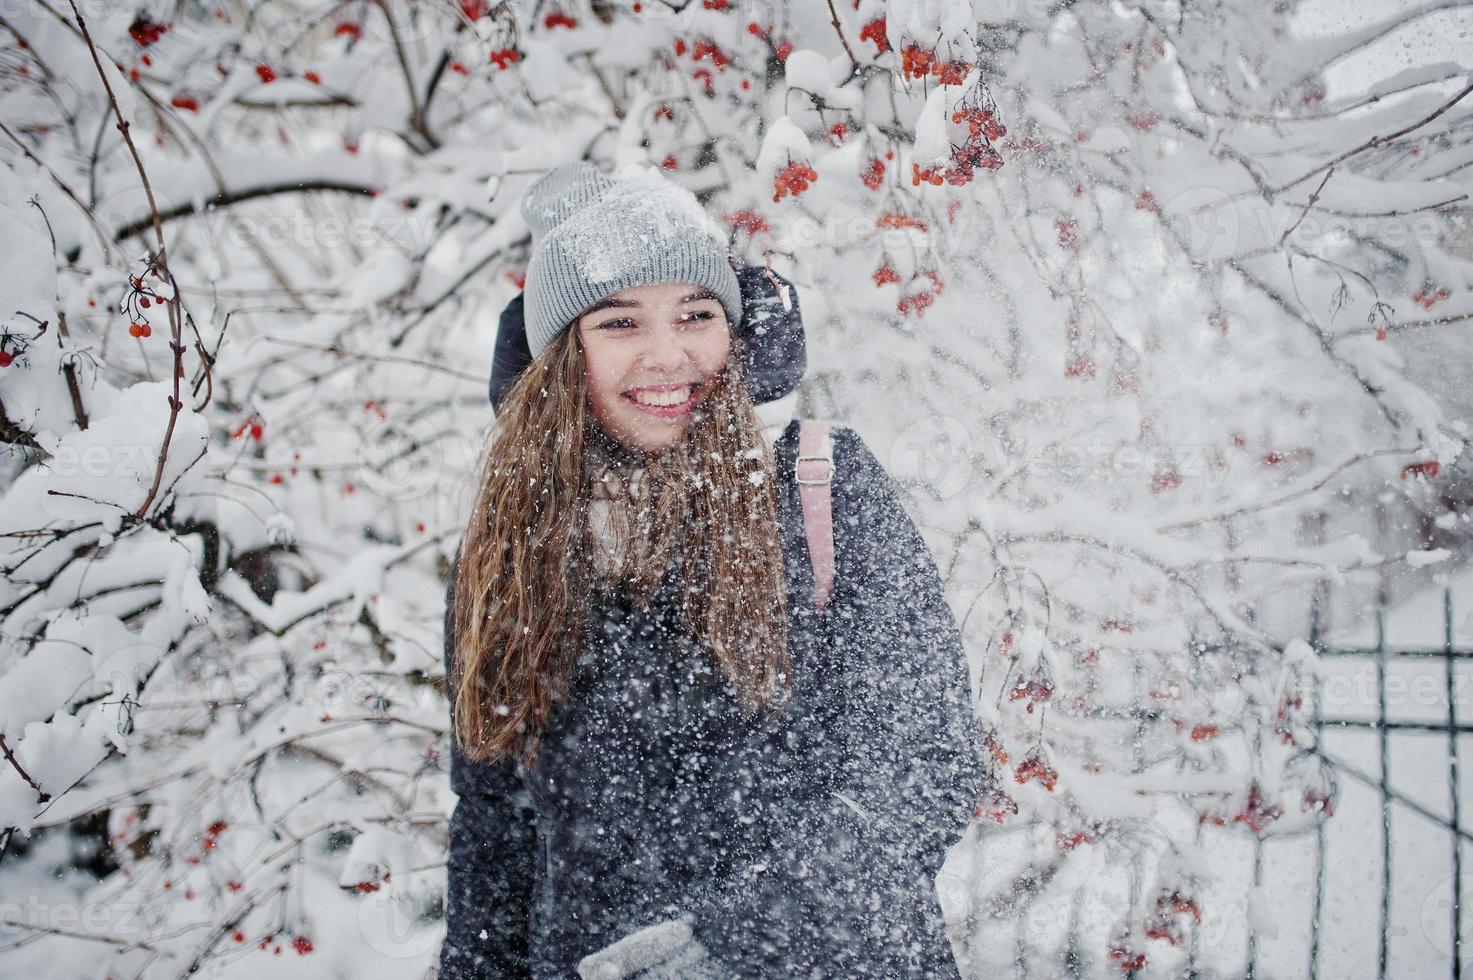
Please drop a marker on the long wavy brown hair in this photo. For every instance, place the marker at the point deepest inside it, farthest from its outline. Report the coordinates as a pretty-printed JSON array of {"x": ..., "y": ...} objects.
[{"x": 703, "y": 510}]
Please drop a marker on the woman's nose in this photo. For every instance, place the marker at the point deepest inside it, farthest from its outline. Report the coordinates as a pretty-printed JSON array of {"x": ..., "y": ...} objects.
[{"x": 665, "y": 353}]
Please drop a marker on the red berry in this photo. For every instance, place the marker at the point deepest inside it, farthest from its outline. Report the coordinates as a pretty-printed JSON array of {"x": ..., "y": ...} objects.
[
  {"x": 267, "y": 73},
  {"x": 146, "y": 32},
  {"x": 5, "y": 358},
  {"x": 312, "y": 77}
]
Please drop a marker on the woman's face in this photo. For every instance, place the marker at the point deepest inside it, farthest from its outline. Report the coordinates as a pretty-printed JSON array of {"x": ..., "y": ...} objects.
[{"x": 651, "y": 352}]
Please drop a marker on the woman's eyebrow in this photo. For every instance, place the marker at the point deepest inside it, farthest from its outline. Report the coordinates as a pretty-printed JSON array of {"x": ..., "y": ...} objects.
[
  {"x": 610, "y": 302},
  {"x": 607, "y": 302}
]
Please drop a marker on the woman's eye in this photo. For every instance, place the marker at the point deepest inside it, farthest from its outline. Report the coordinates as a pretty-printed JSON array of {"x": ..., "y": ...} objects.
[{"x": 625, "y": 323}]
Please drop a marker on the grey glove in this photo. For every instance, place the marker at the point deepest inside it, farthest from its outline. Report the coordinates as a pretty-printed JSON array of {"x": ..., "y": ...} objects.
[{"x": 666, "y": 950}]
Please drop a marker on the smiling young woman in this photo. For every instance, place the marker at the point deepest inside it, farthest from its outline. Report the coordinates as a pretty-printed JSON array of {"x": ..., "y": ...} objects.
[{"x": 669, "y": 760}]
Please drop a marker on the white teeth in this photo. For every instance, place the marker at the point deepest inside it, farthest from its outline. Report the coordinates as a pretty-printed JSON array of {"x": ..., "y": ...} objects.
[{"x": 676, "y": 397}]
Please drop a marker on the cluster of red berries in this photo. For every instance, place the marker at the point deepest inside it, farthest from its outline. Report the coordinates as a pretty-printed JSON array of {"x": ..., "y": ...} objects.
[
  {"x": 874, "y": 30},
  {"x": 980, "y": 121},
  {"x": 252, "y": 425},
  {"x": 1165, "y": 923},
  {"x": 918, "y": 302},
  {"x": 1201, "y": 731},
  {"x": 1082, "y": 366},
  {"x": 146, "y": 32},
  {"x": 301, "y": 944},
  {"x": 1315, "y": 803},
  {"x": 1165, "y": 480},
  {"x": 1036, "y": 690},
  {"x": 783, "y": 49},
  {"x": 896, "y": 219},
  {"x": 964, "y": 162},
  {"x": 700, "y": 51},
  {"x": 1130, "y": 962},
  {"x": 140, "y": 297},
  {"x": 918, "y": 62},
  {"x": 793, "y": 179},
  {"x": 1255, "y": 814},
  {"x": 995, "y": 805},
  {"x": 1034, "y": 767},
  {"x": 915, "y": 303},
  {"x": 1068, "y": 229},
  {"x": 976, "y": 153},
  {"x": 1429, "y": 294},
  {"x": 1067, "y": 842},
  {"x": 747, "y": 220}
]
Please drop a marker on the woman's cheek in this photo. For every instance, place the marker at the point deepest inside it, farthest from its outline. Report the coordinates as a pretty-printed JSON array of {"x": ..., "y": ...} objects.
[{"x": 716, "y": 352}]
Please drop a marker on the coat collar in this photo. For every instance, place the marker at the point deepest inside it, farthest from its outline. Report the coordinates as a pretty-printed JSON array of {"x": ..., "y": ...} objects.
[{"x": 776, "y": 416}]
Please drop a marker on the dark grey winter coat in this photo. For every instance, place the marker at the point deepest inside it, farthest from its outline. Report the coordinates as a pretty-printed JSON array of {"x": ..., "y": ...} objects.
[{"x": 805, "y": 844}]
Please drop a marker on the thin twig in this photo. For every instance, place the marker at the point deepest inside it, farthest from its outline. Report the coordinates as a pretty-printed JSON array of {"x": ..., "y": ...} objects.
[
  {"x": 160, "y": 268},
  {"x": 839, "y": 30},
  {"x": 1375, "y": 141},
  {"x": 15, "y": 763}
]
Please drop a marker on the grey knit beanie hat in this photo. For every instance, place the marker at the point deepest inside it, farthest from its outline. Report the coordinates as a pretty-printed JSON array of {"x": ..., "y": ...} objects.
[{"x": 594, "y": 234}]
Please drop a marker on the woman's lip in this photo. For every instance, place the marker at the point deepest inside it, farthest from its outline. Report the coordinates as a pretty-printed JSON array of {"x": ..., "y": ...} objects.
[
  {"x": 671, "y": 387},
  {"x": 667, "y": 411}
]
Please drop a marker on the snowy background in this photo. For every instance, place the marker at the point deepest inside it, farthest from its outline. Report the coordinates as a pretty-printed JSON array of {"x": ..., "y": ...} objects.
[{"x": 1158, "y": 311}]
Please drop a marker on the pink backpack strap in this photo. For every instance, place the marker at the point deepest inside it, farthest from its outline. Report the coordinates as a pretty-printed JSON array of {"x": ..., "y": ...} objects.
[{"x": 814, "y": 471}]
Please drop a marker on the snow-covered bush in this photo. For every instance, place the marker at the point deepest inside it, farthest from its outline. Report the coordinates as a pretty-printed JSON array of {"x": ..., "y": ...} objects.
[{"x": 1117, "y": 288}]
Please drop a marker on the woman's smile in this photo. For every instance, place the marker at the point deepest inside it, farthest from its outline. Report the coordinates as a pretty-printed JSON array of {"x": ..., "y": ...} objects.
[{"x": 666, "y": 401}]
